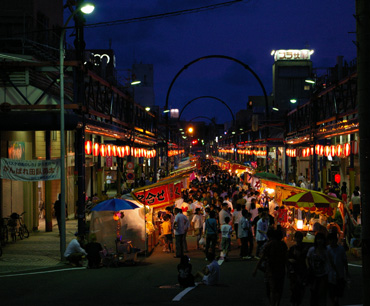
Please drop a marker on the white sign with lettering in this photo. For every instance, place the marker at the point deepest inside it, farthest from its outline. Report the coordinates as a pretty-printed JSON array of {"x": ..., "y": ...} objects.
[{"x": 292, "y": 54}]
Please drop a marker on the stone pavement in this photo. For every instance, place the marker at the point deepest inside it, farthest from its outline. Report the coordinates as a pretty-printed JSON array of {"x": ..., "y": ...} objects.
[{"x": 41, "y": 250}]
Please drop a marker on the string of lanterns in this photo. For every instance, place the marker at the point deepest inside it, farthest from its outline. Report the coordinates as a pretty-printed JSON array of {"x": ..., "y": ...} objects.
[
  {"x": 246, "y": 152},
  {"x": 103, "y": 150},
  {"x": 175, "y": 152},
  {"x": 340, "y": 150}
]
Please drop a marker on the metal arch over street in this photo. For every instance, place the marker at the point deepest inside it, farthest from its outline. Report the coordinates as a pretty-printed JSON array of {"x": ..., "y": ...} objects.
[
  {"x": 204, "y": 117},
  {"x": 222, "y": 57},
  {"x": 208, "y": 97},
  {"x": 203, "y": 58}
]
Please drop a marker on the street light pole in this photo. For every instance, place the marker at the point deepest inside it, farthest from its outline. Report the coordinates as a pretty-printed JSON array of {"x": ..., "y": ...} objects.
[{"x": 62, "y": 129}]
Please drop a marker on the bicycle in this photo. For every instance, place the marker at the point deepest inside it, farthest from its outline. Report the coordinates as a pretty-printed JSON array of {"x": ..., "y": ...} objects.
[
  {"x": 23, "y": 226},
  {"x": 17, "y": 227},
  {"x": 4, "y": 231}
]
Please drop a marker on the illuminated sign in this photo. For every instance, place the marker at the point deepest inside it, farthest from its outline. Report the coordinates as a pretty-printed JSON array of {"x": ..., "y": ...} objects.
[{"x": 292, "y": 54}]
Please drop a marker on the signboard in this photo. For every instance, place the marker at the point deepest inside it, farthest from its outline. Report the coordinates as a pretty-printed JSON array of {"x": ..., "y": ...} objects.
[
  {"x": 130, "y": 166},
  {"x": 130, "y": 176},
  {"x": 109, "y": 161},
  {"x": 292, "y": 54},
  {"x": 160, "y": 195},
  {"x": 30, "y": 170}
]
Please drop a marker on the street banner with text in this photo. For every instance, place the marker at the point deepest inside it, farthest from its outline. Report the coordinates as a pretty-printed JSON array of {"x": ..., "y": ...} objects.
[{"x": 30, "y": 170}]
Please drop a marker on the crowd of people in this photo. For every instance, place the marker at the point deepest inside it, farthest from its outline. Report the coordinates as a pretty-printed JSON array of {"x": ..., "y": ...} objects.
[{"x": 218, "y": 205}]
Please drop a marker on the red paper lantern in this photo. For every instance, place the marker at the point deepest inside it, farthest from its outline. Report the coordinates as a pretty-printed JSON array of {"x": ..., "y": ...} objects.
[
  {"x": 114, "y": 150},
  {"x": 317, "y": 149},
  {"x": 103, "y": 151},
  {"x": 333, "y": 150},
  {"x": 327, "y": 151},
  {"x": 337, "y": 178},
  {"x": 347, "y": 149},
  {"x": 108, "y": 149},
  {"x": 354, "y": 147},
  {"x": 88, "y": 147},
  {"x": 120, "y": 151},
  {"x": 127, "y": 150},
  {"x": 339, "y": 150},
  {"x": 311, "y": 150},
  {"x": 96, "y": 149}
]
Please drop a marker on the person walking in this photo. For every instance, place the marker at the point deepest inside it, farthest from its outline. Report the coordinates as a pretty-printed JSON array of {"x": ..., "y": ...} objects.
[
  {"x": 244, "y": 227},
  {"x": 179, "y": 227},
  {"x": 211, "y": 233},
  {"x": 338, "y": 269},
  {"x": 274, "y": 256},
  {"x": 197, "y": 224},
  {"x": 318, "y": 268},
  {"x": 261, "y": 233}
]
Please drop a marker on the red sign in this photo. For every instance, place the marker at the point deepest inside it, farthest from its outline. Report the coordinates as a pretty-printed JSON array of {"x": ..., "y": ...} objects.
[
  {"x": 109, "y": 161},
  {"x": 161, "y": 195}
]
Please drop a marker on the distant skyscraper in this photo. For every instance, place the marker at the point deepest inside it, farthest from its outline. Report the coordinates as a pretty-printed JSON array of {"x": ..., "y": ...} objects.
[{"x": 144, "y": 92}]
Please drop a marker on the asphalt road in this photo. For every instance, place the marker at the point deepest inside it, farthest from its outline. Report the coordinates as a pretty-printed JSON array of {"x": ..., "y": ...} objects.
[{"x": 151, "y": 282}]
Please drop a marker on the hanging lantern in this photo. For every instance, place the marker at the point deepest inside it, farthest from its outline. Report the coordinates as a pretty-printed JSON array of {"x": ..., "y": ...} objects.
[
  {"x": 145, "y": 153},
  {"x": 317, "y": 149},
  {"x": 114, "y": 150},
  {"x": 347, "y": 149},
  {"x": 120, "y": 151},
  {"x": 108, "y": 149},
  {"x": 88, "y": 147},
  {"x": 321, "y": 152},
  {"x": 337, "y": 178},
  {"x": 103, "y": 151},
  {"x": 303, "y": 152},
  {"x": 294, "y": 152},
  {"x": 127, "y": 150},
  {"x": 339, "y": 150},
  {"x": 96, "y": 149},
  {"x": 311, "y": 150},
  {"x": 141, "y": 152},
  {"x": 354, "y": 147},
  {"x": 327, "y": 151},
  {"x": 116, "y": 216},
  {"x": 333, "y": 151}
]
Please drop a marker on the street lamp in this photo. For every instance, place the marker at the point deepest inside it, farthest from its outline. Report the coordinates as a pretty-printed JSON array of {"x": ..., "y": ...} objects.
[{"x": 86, "y": 9}]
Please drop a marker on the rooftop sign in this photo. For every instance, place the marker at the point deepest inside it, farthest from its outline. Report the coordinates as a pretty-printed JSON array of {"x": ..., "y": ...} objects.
[{"x": 292, "y": 55}]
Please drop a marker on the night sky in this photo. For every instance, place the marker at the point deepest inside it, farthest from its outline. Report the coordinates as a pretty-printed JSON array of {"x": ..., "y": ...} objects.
[{"x": 246, "y": 30}]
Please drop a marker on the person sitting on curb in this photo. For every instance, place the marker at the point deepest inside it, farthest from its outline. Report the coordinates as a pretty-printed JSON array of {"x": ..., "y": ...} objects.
[
  {"x": 74, "y": 252},
  {"x": 210, "y": 275}
]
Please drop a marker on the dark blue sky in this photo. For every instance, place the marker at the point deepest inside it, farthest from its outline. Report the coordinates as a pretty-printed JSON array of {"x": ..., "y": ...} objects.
[{"x": 247, "y": 31}]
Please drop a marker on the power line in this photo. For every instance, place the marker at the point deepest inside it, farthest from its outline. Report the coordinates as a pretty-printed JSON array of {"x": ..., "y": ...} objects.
[{"x": 163, "y": 15}]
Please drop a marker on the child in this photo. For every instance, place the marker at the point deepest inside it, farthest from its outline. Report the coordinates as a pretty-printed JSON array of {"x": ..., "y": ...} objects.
[
  {"x": 167, "y": 233},
  {"x": 226, "y": 230},
  {"x": 210, "y": 275}
]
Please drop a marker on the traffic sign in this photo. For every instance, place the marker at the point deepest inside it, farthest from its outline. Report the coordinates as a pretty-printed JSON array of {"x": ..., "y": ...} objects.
[
  {"x": 130, "y": 176},
  {"x": 130, "y": 165}
]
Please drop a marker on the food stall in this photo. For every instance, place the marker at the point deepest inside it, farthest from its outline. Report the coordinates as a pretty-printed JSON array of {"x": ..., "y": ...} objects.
[
  {"x": 299, "y": 209},
  {"x": 156, "y": 198}
]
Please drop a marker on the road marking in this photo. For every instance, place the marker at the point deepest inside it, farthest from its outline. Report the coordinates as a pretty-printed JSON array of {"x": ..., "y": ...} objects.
[
  {"x": 354, "y": 265},
  {"x": 41, "y": 272},
  {"x": 183, "y": 292}
]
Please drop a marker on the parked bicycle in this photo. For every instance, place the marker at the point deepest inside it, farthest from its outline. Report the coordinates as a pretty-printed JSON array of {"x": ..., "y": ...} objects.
[
  {"x": 4, "y": 231},
  {"x": 17, "y": 227}
]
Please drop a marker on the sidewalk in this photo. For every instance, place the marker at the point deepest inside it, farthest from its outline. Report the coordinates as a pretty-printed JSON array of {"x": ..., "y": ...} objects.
[{"x": 41, "y": 250}]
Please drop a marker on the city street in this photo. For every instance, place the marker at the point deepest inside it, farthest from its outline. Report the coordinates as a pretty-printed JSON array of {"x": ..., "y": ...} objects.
[{"x": 151, "y": 282}]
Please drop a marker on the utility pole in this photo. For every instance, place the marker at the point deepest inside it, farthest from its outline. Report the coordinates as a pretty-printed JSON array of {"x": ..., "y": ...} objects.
[{"x": 363, "y": 92}]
